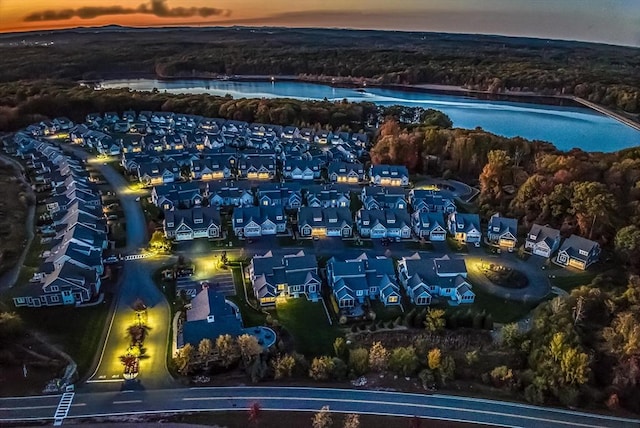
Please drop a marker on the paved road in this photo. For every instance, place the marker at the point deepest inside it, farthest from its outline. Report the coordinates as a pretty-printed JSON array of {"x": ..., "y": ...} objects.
[
  {"x": 136, "y": 284},
  {"x": 306, "y": 399}
]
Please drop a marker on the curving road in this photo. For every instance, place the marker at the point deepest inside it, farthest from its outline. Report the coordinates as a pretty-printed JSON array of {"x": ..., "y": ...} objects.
[
  {"x": 443, "y": 407},
  {"x": 136, "y": 284}
]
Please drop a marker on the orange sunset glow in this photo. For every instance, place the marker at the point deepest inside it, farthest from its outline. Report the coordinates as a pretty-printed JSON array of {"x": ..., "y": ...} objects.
[{"x": 612, "y": 21}]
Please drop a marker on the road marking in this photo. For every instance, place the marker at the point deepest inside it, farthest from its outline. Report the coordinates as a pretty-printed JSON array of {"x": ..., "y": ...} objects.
[
  {"x": 29, "y": 397},
  {"x": 63, "y": 408},
  {"x": 105, "y": 381},
  {"x": 416, "y": 405},
  {"x": 437, "y": 396},
  {"x": 127, "y": 401},
  {"x": 53, "y": 406}
]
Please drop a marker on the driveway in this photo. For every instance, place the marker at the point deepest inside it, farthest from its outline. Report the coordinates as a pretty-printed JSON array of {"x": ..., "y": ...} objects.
[{"x": 136, "y": 284}]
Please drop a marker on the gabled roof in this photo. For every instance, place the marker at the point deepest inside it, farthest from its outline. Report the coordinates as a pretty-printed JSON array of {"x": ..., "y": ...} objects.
[
  {"x": 574, "y": 244},
  {"x": 546, "y": 234},
  {"x": 501, "y": 225}
]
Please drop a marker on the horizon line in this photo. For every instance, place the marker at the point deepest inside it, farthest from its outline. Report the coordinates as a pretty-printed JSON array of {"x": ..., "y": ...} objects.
[{"x": 283, "y": 27}]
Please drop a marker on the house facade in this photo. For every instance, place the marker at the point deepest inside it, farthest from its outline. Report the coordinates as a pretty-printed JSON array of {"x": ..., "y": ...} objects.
[
  {"x": 465, "y": 228},
  {"x": 343, "y": 172},
  {"x": 192, "y": 223},
  {"x": 440, "y": 279},
  {"x": 355, "y": 280},
  {"x": 503, "y": 231},
  {"x": 289, "y": 275},
  {"x": 542, "y": 241},
  {"x": 429, "y": 225},
  {"x": 390, "y": 223},
  {"x": 578, "y": 252},
  {"x": 249, "y": 222},
  {"x": 389, "y": 175},
  {"x": 325, "y": 222}
]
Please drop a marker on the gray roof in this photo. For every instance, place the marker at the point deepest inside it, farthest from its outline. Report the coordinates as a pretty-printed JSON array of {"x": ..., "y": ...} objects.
[
  {"x": 500, "y": 225},
  {"x": 329, "y": 217},
  {"x": 574, "y": 244},
  {"x": 539, "y": 233},
  {"x": 198, "y": 326}
]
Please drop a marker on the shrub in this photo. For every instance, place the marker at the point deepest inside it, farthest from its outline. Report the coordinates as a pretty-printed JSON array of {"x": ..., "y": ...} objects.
[
  {"x": 403, "y": 360},
  {"x": 321, "y": 368},
  {"x": 359, "y": 361}
]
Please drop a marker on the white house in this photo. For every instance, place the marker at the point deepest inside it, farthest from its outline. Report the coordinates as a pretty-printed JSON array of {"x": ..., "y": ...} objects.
[
  {"x": 503, "y": 231},
  {"x": 542, "y": 241}
]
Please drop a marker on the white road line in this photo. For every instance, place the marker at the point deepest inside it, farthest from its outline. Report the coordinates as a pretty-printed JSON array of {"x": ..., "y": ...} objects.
[
  {"x": 421, "y": 406},
  {"x": 30, "y": 397},
  {"x": 431, "y": 396},
  {"x": 53, "y": 406},
  {"x": 127, "y": 401}
]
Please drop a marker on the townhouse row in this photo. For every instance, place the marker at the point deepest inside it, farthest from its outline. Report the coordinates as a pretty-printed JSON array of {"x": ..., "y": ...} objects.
[{"x": 72, "y": 265}]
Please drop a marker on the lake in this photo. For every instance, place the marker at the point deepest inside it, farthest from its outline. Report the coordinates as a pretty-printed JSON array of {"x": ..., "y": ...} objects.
[{"x": 565, "y": 127}]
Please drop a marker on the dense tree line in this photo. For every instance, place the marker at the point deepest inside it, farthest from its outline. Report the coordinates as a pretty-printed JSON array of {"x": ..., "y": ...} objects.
[
  {"x": 607, "y": 75},
  {"x": 584, "y": 348},
  {"x": 22, "y": 103},
  {"x": 596, "y": 195}
]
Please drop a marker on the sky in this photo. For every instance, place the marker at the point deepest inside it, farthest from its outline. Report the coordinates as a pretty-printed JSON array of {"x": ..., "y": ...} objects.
[{"x": 606, "y": 21}]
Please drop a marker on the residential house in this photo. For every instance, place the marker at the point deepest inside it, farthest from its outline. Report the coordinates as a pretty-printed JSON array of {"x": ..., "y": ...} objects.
[
  {"x": 503, "y": 231},
  {"x": 542, "y": 241},
  {"x": 389, "y": 223},
  {"x": 302, "y": 169},
  {"x": 287, "y": 195},
  {"x": 230, "y": 194},
  {"x": 578, "y": 252},
  {"x": 67, "y": 284},
  {"x": 158, "y": 173},
  {"x": 426, "y": 280},
  {"x": 325, "y": 222},
  {"x": 211, "y": 168},
  {"x": 429, "y": 225},
  {"x": 178, "y": 195},
  {"x": 209, "y": 316},
  {"x": 380, "y": 198},
  {"x": 389, "y": 175},
  {"x": 431, "y": 200},
  {"x": 353, "y": 281},
  {"x": 260, "y": 168},
  {"x": 249, "y": 222},
  {"x": 328, "y": 196},
  {"x": 193, "y": 223},
  {"x": 342, "y": 172},
  {"x": 465, "y": 228},
  {"x": 291, "y": 275}
]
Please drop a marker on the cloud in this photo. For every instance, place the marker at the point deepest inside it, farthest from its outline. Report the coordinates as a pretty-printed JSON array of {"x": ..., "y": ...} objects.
[{"x": 157, "y": 8}]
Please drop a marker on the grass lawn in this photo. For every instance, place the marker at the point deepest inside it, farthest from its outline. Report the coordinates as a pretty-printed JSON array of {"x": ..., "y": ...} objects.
[
  {"x": 570, "y": 282},
  {"x": 308, "y": 324},
  {"x": 386, "y": 313},
  {"x": 78, "y": 331},
  {"x": 250, "y": 316},
  {"x": 502, "y": 310}
]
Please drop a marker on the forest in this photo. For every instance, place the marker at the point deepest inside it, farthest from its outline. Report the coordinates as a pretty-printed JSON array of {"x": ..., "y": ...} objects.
[{"x": 607, "y": 75}]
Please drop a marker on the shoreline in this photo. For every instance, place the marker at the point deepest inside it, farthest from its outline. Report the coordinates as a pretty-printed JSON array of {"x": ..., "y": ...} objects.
[{"x": 514, "y": 96}]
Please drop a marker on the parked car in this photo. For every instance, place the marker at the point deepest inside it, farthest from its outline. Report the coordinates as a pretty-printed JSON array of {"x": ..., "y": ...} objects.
[{"x": 110, "y": 260}]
